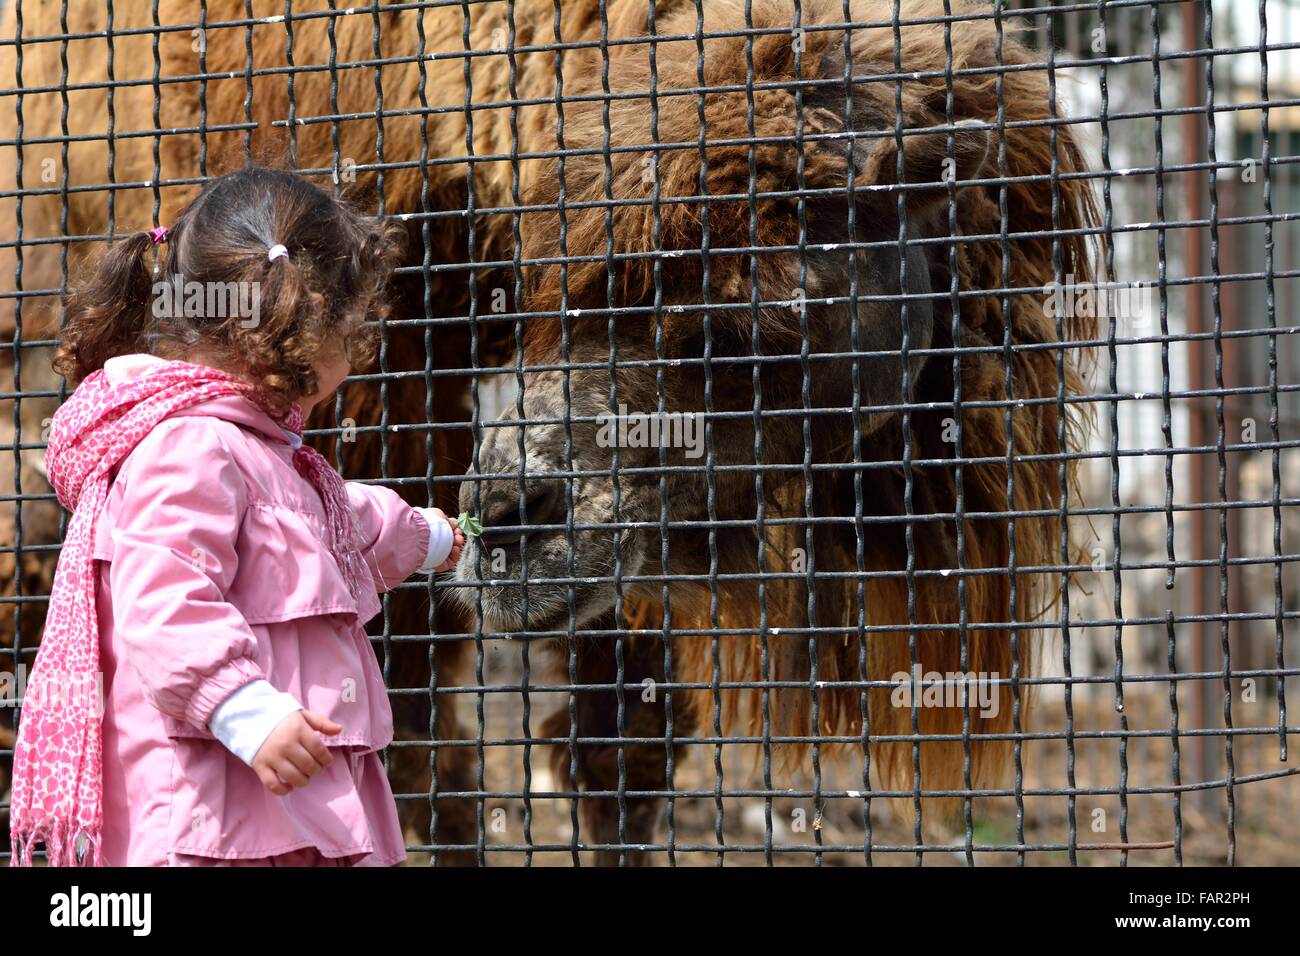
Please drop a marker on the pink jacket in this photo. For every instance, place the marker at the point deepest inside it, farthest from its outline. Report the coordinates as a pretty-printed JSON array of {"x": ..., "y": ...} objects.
[{"x": 213, "y": 572}]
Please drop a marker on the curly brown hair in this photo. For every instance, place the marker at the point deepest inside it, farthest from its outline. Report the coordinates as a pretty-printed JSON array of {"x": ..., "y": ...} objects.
[{"x": 327, "y": 293}]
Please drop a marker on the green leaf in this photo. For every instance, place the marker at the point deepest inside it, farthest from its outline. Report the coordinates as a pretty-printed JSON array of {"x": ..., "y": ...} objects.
[{"x": 469, "y": 524}]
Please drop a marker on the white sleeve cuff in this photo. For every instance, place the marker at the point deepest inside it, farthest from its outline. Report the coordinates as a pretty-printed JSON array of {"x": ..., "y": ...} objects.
[
  {"x": 246, "y": 718},
  {"x": 440, "y": 539}
]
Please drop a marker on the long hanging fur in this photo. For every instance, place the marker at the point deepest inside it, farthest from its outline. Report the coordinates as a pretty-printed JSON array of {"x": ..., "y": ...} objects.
[{"x": 995, "y": 634}]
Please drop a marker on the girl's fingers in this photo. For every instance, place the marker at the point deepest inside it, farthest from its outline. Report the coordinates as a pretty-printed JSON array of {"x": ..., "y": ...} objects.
[
  {"x": 302, "y": 761},
  {"x": 272, "y": 782},
  {"x": 290, "y": 774},
  {"x": 321, "y": 723},
  {"x": 317, "y": 749}
]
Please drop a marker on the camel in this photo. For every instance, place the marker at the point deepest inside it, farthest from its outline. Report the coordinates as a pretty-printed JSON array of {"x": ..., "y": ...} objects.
[
  {"x": 875, "y": 595},
  {"x": 866, "y": 567}
]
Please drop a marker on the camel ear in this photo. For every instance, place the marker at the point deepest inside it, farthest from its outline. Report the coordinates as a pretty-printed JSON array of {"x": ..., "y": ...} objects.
[{"x": 927, "y": 158}]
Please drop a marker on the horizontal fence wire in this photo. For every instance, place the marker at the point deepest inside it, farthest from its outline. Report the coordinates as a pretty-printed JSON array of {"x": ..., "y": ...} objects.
[{"x": 882, "y": 417}]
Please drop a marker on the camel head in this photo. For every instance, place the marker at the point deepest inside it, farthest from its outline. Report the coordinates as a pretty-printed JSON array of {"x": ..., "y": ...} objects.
[{"x": 664, "y": 385}]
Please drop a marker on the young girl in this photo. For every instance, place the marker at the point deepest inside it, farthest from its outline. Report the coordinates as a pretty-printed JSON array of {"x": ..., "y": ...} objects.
[{"x": 216, "y": 573}]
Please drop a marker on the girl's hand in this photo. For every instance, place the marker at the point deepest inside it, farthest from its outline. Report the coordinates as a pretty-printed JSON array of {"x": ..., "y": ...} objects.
[
  {"x": 294, "y": 752},
  {"x": 457, "y": 541}
]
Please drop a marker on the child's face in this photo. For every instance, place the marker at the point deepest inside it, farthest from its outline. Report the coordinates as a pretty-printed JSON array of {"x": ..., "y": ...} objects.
[{"x": 331, "y": 369}]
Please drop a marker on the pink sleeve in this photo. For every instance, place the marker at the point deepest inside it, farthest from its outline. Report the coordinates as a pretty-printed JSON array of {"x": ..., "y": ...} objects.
[
  {"x": 174, "y": 558},
  {"x": 395, "y": 535}
]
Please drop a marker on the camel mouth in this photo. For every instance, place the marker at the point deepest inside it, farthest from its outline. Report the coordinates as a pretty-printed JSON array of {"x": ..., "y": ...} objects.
[
  {"x": 546, "y": 617},
  {"x": 507, "y": 603}
]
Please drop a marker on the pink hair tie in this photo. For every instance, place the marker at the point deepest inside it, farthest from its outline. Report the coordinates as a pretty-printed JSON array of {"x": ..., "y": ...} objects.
[
  {"x": 159, "y": 235},
  {"x": 276, "y": 252}
]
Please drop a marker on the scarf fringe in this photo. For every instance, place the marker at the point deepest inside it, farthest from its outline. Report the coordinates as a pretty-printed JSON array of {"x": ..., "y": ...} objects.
[{"x": 60, "y": 846}]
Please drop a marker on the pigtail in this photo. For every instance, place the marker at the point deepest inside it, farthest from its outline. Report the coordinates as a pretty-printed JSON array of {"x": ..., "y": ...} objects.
[
  {"x": 292, "y": 323},
  {"x": 108, "y": 315}
]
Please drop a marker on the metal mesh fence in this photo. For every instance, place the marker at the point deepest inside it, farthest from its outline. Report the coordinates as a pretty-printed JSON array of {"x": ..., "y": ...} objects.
[{"x": 881, "y": 415}]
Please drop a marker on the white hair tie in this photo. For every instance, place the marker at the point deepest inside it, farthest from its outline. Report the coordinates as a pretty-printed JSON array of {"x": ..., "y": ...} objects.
[{"x": 275, "y": 252}]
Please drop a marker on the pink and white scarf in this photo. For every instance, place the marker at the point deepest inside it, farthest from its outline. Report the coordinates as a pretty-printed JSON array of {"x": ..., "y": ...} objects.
[{"x": 58, "y": 770}]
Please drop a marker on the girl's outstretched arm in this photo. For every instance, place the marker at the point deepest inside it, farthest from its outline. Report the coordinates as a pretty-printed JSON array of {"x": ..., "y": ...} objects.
[{"x": 399, "y": 540}]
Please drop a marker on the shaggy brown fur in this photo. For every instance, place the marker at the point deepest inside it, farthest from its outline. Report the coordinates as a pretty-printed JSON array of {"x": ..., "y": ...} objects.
[
  {"x": 1036, "y": 428},
  {"x": 446, "y": 183}
]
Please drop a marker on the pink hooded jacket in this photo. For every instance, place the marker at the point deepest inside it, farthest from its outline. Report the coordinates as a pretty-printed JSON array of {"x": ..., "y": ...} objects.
[{"x": 213, "y": 572}]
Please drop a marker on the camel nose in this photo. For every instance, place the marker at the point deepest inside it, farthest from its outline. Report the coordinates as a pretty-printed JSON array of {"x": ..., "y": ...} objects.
[{"x": 503, "y": 521}]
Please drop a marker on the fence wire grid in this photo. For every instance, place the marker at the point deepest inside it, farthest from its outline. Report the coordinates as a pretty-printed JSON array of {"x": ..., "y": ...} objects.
[{"x": 882, "y": 416}]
